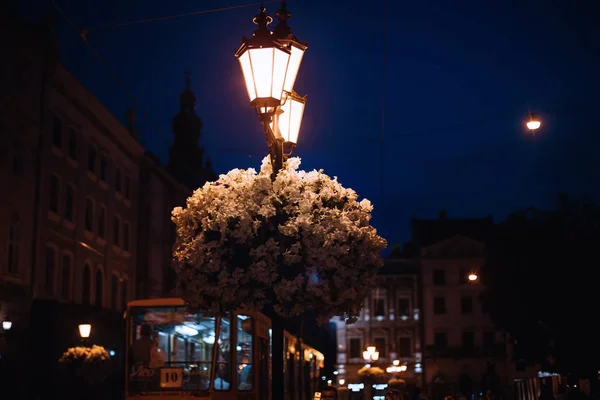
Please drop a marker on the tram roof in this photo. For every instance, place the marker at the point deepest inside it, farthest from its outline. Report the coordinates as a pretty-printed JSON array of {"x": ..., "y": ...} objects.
[{"x": 170, "y": 302}]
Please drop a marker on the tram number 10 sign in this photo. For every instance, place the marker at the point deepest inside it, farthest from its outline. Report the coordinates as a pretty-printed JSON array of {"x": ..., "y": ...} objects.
[{"x": 171, "y": 377}]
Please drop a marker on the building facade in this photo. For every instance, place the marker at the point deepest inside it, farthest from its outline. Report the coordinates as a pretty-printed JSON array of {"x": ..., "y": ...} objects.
[
  {"x": 463, "y": 352},
  {"x": 88, "y": 216},
  {"x": 390, "y": 321}
]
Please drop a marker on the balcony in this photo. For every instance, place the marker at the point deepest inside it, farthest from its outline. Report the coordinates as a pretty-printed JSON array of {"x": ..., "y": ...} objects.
[{"x": 496, "y": 351}]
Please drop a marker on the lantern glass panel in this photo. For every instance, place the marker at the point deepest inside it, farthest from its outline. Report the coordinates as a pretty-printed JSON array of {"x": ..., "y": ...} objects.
[
  {"x": 290, "y": 120},
  {"x": 247, "y": 71},
  {"x": 293, "y": 67}
]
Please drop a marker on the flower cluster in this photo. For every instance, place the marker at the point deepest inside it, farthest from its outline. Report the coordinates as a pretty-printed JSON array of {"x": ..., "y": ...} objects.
[
  {"x": 302, "y": 241},
  {"x": 371, "y": 373},
  {"x": 88, "y": 355}
]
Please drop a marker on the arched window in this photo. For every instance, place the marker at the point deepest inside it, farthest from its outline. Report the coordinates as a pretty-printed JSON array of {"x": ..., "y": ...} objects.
[
  {"x": 92, "y": 154},
  {"x": 102, "y": 222},
  {"x": 99, "y": 288},
  {"x": 126, "y": 236},
  {"x": 70, "y": 203},
  {"x": 86, "y": 286},
  {"x": 14, "y": 243},
  {"x": 50, "y": 269},
  {"x": 116, "y": 231},
  {"x": 54, "y": 193},
  {"x": 65, "y": 285},
  {"x": 89, "y": 214},
  {"x": 114, "y": 291}
]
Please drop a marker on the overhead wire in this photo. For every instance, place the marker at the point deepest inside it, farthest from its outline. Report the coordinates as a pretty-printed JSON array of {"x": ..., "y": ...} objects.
[
  {"x": 113, "y": 74},
  {"x": 118, "y": 25},
  {"x": 83, "y": 33}
]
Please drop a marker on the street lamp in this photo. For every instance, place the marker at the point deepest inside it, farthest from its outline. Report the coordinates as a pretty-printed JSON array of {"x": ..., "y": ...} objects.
[
  {"x": 473, "y": 277},
  {"x": 85, "y": 330},
  {"x": 7, "y": 325},
  {"x": 270, "y": 65},
  {"x": 371, "y": 354},
  {"x": 534, "y": 123}
]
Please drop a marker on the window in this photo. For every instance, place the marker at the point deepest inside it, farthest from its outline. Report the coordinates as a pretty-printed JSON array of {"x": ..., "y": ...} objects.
[
  {"x": 118, "y": 179},
  {"x": 57, "y": 133},
  {"x": 92, "y": 154},
  {"x": 116, "y": 231},
  {"x": 439, "y": 305},
  {"x": 244, "y": 352},
  {"x": 86, "y": 286},
  {"x": 102, "y": 222},
  {"x": 404, "y": 347},
  {"x": 404, "y": 306},
  {"x": 439, "y": 277},
  {"x": 126, "y": 236},
  {"x": 381, "y": 345},
  {"x": 127, "y": 188},
  {"x": 54, "y": 193},
  {"x": 69, "y": 203},
  {"x": 462, "y": 276},
  {"x": 114, "y": 291},
  {"x": 466, "y": 305},
  {"x": 99, "y": 288},
  {"x": 89, "y": 214},
  {"x": 355, "y": 350},
  {"x": 72, "y": 144},
  {"x": 441, "y": 340},
  {"x": 468, "y": 340},
  {"x": 17, "y": 162},
  {"x": 223, "y": 373},
  {"x": 14, "y": 243},
  {"x": 103, "y": 168},
  {"x": 124, "y": 298},
  {"x": 50, "y": 270},
  {"x": 65, "y": 285},
  {"x": 379, "y": 307},
  {"x": 489, "y": 339}
]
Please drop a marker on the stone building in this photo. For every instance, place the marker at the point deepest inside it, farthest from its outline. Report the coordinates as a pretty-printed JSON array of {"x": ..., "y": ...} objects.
[
  {"x": 463, "y": 352},
  {"x": 390, "y": 321}
]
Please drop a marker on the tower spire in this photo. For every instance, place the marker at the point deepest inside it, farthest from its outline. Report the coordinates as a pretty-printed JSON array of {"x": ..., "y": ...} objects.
[{"x": 187, "y": 100}]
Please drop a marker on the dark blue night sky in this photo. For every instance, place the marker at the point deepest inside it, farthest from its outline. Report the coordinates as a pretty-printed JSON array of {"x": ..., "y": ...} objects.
[{"x": 461, "y": 78}]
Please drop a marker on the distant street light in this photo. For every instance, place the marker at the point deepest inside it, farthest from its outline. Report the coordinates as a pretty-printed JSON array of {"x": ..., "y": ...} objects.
[
  {"x": 270, "y": 62},
  {"x": 371, "y": 354},
  {"x": 85, "y": 330},
  {"x": 534, "y": 123},
  {"x": 473, "y": 277},
  {"x": 6, "y": 325}
]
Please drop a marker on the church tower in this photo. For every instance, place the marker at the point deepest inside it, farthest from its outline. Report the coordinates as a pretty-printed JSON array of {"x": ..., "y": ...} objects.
[{"x": 186, "y": 163}]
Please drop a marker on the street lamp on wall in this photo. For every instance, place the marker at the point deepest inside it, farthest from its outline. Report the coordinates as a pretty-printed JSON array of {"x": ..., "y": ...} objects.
[
  {"x": 270, "y": 64},
  {"x": 85, "y": 330},
  {"x": 371, "y": 354},
  {"x": 7, "y": 325},
  {"x": 534, "y": 123}
]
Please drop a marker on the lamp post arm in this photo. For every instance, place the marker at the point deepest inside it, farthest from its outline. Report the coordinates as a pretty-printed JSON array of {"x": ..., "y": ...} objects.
[{"x": 275, "y": 147}]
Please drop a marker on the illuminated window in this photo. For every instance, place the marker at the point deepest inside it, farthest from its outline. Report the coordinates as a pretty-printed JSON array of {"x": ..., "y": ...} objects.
[
  {"x": 223, "y": 372},
  {"x": 243, "y": 349}
]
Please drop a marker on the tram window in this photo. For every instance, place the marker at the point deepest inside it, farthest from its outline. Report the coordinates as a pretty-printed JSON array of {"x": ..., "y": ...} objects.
[
  {"x": 223, "y": 374},
  {"x": 245, "y": 380},
  {"x": 183, "y": 340}
]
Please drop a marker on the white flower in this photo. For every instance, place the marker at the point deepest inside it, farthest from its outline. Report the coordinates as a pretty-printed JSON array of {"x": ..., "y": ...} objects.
[{"x": 302, "y": 241}]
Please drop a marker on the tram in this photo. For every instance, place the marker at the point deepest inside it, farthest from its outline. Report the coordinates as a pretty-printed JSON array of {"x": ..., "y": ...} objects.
[{"x": 170, "y": 355}]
